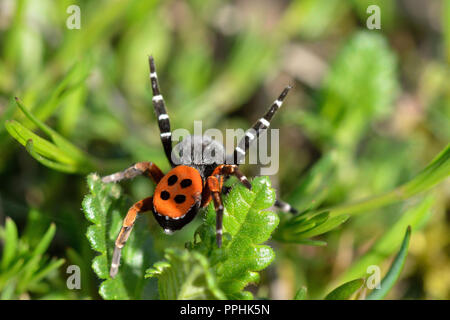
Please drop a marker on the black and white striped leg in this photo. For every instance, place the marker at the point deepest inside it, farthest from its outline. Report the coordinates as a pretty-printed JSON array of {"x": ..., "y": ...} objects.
[
  {"x": 259, "y": 126},
  {"x": 161, "y": 113},
  {"x": 146, "y": 168},
  {"x": 285, "y": 207}
]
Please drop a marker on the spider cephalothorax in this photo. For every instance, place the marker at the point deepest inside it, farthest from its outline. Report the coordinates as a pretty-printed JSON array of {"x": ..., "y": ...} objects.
[{"x": 190, "y": 184}]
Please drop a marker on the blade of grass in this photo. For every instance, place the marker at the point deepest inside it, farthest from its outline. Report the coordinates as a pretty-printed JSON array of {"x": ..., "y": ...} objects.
[
  {"x": 10, "y": 243},
  {"x": 385, "y": 246},
  {"x": 394, "y": 272},
  {"x": 345, "y": 291},
  {"x": 41, "y": 146},
  {"x": 301, "y": 294},
  {"x": 48, "y": 163},
  {"x": 53, "y": 265},
  {"x": 33, "y": 263},
  {"x": 59, "y": 141},
  {"x": 435, "y": 172}
]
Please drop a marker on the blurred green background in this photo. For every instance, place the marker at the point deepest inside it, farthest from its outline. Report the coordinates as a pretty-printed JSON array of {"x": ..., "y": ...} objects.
[{"x": 370, "y": 108}]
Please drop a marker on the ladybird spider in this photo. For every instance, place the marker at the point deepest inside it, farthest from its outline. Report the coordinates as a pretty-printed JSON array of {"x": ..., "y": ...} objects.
[{"x": 188, "y": 186}]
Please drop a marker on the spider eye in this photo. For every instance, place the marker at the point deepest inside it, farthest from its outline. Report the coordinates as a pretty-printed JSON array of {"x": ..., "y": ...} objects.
[
  {"x": 172, "y": 180},
  {"x": 179, "y": 198},
  {"x": 165, "y": 195},
  {"x": 185, "y": 183}
]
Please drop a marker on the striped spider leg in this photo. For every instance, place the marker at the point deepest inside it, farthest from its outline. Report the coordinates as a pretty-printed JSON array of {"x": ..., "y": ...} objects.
[
  {"x": 161, "y": 113},
  {"x": 254, "y": 132}
]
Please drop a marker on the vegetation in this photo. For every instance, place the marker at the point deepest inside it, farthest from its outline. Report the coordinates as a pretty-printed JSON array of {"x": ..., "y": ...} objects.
[{"x": 364, "y": 147}]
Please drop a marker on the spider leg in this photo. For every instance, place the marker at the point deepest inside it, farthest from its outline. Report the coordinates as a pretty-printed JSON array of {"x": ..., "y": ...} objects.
[
  {"x": 258, "y": 127},
  {"x": 128, "y": 223},
  {"x": 232, "y": 169},
  {"x": 161, "y": 113},
  {"x": 148, "y": 169},
  {"x": 213, "y": 185},
  {"x": 285, "y": 207},
  {"x": 253, "y": 134},
  {"x": 214, "y": 188}
]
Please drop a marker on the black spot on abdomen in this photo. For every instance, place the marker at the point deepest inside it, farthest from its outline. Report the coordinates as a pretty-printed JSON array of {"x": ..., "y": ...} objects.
[
  {"x": 165, "y": 195},
  {"x": 185, "y": 183},
  {"x": 180, "y": 198},
  {"x": 172, "y": 180}
]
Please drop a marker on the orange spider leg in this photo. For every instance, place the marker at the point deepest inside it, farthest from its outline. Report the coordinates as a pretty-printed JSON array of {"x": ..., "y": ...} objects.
[{"x": 128, "y": 223}]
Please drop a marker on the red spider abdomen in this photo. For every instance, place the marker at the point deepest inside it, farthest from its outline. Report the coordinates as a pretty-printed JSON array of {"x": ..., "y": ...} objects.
[{"x": 177, "y": 192}]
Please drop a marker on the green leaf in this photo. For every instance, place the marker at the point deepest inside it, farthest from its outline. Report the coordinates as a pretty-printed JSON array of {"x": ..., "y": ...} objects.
[
  {"x": 10, "y": 240},
  {"x": 434, "y": 173},
  {"x": 312, "y": 19},
  {"x": 360, "y": 87},
  {"x": 32, "y": 265},
  {"x": 50, "y": 267},
  {"x": 185, "y": 275},
  {"x": 72, "y": 81},
  {"x": 59, "y": 154},
  {"x": 385, "y": 246},
  {"x": 301, "y": 293},
  {"x": 394, "y": 272},
  {"x": 314, "y": 187},
  {"x": 27, "y": 268},
  {"x": 345, "y": 291},
  {"x": 105, "y": 208},
  {"x": 298, "y": 229},
  {"x": 246, "y": 224},
  {"x": 249, "y": 225}
]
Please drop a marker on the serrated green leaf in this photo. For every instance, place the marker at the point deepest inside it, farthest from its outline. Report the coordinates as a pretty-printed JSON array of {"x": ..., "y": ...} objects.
[
  {"x": 185, "y": 275},
  {"x": 247, "y": 224},
  {"x": 105, "y": 208},
  {"x": 394, "y": 271},
  {"x": 360, "y": 87},
  {"x": 345, "y": 291}
]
